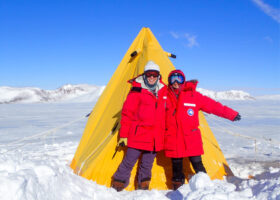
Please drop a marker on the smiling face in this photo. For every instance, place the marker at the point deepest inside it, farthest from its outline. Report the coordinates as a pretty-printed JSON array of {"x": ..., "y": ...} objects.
[
  {"x": 176, "y": 79},
  {"x": 175, "y": 85},
  {"x": 152, "y": 76},
  {"x": 152, "y": 80}
]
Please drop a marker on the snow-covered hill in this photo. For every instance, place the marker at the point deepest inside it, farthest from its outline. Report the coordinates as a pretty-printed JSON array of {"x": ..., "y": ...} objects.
[
  {"x": 36, "y": 95},
  {"x": 87, "y": 93},
  {"x": 227, "y": 95}
]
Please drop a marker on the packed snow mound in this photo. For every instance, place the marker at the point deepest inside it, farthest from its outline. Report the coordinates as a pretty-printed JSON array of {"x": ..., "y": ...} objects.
[
  {"x": 226, "y": 95},
  {"x": 87, "y": 93},
  {"x": 36, "y": 95},
  {"x": 200, "y": 187}
]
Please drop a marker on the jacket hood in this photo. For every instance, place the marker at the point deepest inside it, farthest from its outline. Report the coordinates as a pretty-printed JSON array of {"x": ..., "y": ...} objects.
[
  {"x": 139, "y": 82},
  {"x": 133, "y": 80},
  {"x": 190, "y": 85},
  {"x": 176, "y": 71}
]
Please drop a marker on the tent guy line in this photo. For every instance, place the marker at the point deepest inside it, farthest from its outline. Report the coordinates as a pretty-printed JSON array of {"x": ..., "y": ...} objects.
[
  {"x": 54, "y": 130},
  {"x": 39, "y": 135},
  {"x": 270, "y": 141}
]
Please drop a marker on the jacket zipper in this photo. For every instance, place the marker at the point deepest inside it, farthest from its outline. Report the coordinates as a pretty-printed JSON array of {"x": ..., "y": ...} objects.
[{"x": 181, "y": 125}]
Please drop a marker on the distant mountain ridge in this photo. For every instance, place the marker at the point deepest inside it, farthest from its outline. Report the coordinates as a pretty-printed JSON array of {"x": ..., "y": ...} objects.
[
  {"x": 87, "y": 93},
  {"x": 227, "y": 95},
  {"x": 37, "y": 95}
]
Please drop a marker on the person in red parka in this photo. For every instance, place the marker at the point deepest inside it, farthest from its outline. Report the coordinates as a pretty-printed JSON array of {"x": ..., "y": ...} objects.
[
  {"x": 142, "y": 126},
  {"x": 182, "y": 136}
]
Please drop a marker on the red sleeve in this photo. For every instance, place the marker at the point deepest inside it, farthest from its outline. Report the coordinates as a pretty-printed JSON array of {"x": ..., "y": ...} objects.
[
  {"x": 129, "y": 112},
  {"x": 213, "y": 107}
]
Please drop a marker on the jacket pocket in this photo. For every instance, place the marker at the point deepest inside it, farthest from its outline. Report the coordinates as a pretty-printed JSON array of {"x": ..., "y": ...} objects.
[
  {"x": 191, "y": 131},
  {"x": 193, "y": 140},
  {"x": 135, "y": 131},
  {"x": 169, "y": 140},
  {"x": 143, "y": 134}
]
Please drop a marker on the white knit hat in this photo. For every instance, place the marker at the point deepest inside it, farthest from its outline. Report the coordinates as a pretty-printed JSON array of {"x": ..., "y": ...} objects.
[{"x": 151, "y": 66}]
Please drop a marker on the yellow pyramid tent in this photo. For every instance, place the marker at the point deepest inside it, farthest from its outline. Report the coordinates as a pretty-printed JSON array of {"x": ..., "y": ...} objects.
[{"x": 97, "y": 157}]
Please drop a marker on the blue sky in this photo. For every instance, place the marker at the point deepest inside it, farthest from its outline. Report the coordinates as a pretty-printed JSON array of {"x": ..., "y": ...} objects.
[{"x": 224, "y": 44}]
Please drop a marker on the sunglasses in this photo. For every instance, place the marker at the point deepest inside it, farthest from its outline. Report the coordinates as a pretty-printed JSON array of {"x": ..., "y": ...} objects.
[
  {"x": 176, "y": 77},
  {"x": 152, "y": 73}
]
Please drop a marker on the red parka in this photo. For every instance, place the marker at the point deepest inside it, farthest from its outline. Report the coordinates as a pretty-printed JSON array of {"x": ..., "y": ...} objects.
[
  {"x": 143, "y": 116},
  {"x": 182, "y": 136}
]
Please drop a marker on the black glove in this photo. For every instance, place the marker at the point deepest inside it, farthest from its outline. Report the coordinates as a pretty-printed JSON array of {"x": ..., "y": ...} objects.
[{"x": 237, "y": 118}]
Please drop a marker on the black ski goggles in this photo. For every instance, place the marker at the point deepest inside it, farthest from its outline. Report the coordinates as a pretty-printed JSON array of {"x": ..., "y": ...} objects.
[{"x": 176, "y": 77}]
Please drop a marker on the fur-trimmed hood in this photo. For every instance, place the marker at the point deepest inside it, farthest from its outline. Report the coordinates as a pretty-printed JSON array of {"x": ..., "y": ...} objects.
[{"x": 139, "y": 82}]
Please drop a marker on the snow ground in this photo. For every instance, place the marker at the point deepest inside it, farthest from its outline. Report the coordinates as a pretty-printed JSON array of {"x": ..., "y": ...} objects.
[{"x": 39, "y": 168}]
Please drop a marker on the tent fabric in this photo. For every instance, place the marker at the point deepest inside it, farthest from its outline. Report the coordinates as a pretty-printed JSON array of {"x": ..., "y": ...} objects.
[{"x": 97, "y": 156}]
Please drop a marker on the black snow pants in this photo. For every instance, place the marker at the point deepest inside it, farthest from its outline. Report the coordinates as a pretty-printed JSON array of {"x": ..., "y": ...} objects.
[{"x": 177, "y": 167}]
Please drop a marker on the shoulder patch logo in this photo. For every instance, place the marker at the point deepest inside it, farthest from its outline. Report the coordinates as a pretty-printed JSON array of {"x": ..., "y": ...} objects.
[{"x": 190, "y": 112}]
